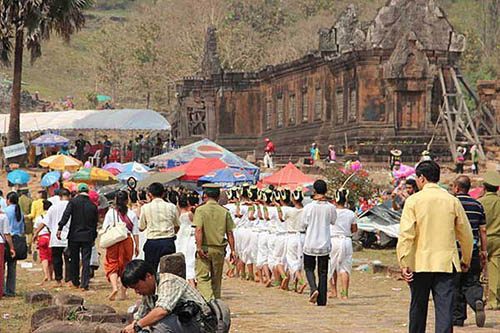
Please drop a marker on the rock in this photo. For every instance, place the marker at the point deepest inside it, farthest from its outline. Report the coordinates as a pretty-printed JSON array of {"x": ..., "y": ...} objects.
[
  {"x": 378, "y": 268},
  {"x": 108, "y": 328},
  {"x": 78, "y": 327},
  {"x": 97, "y": 309},
  {"x": 67, "y": 299},
  {"x": 114, "y": 318},
  {"x": 173, "y": 263},
  {"x": 46, "y": 315},
  {"x": 36, "y": 296}
]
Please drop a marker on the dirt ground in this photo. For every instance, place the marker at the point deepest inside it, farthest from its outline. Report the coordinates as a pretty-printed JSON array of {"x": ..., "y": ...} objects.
[{"x": 377, "y": 304}]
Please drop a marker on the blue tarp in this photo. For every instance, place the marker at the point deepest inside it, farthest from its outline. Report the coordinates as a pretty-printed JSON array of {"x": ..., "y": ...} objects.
[{"x": 227, "y": 177}]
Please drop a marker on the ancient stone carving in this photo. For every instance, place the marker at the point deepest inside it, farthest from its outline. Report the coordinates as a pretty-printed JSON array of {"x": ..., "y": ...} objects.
[
  {"x": 424, "y": 17},
  {"x": 347, "y": 31},
  {"x": 326, "y": 40},
  {"x": 211, "y": 62},
  {"x": 408, "y": 61}
]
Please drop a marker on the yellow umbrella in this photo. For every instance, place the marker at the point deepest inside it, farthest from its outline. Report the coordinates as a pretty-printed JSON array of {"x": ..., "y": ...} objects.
[{"x": 61, "y": 162}]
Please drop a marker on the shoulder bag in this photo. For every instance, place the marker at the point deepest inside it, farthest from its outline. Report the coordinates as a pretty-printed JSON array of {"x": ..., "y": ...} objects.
[
  {"x": 20, "y": 246},
  {"x": 113, "y": 234}
]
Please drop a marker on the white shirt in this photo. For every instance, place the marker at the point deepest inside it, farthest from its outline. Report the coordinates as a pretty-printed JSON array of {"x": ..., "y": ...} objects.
[
  {"x": 342, "y": 227},
  {"x": 296, "y": 222},
  {"x": 282, "y": 227},
  {"x": 3, "y": 203},
  {"x": 52, "y": 217},
  {"x": 112, "y": 217},
  {"x": 317, "y": 218},
  {"x": 274, "y": 219},
  {"x": 54, "y": 199},
  {"x": 4, "y": 227},
  {"x": 38, "y": 221}
]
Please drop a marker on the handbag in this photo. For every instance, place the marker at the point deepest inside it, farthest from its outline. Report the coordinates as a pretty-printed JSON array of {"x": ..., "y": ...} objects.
[
  {"x": 113, "y": 234},
  {"x": 20, "y": 246}
]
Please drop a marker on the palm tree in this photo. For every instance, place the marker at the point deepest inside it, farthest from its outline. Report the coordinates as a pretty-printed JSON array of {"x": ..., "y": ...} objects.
[{"x": 25, "y": 23}]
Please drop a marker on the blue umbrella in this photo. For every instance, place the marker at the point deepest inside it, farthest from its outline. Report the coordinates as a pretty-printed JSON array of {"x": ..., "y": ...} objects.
[
  {"x": 137, "y": 175},
  {"x": 18, "y": 177},
  {"x": 50, "y": 178},
  {"x": 136, "y": 167},
  {"x": 50, "y": 140},
  {"x": 227, "y": 177}
]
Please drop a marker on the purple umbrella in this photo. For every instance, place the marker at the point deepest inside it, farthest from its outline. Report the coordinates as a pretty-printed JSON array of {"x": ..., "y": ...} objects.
[{"x": 114, "y": 165}]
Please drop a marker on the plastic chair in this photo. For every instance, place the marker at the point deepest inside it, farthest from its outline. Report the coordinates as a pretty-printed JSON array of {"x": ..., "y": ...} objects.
[{"x": 94, "y": 160}]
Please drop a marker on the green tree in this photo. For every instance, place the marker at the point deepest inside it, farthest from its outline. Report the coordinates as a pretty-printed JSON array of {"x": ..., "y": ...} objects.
[{"x": 26, "y": 23}]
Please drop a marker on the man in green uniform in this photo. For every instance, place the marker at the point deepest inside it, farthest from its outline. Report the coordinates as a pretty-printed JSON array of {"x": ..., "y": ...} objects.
[
  {"x": 491, "y": 204},
  {"x": 214, "y": 230}
]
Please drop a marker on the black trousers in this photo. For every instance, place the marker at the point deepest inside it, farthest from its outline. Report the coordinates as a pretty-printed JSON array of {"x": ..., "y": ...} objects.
[
  {"x": 154, "y": 249},
  {"x": 467, "y": 290},
  {"x": 57, "y": 261},
  {"x": 75, "y": 248},
  {"x": 441, "y": 285},
  {"x": 309, "y": 267}
]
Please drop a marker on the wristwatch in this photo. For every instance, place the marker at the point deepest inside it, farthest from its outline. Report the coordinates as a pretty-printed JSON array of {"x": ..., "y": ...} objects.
[{"x": 137, "y": 327}]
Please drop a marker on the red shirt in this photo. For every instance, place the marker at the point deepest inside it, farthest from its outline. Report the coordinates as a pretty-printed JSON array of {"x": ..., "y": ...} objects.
[{"x": 269, "y": 147}]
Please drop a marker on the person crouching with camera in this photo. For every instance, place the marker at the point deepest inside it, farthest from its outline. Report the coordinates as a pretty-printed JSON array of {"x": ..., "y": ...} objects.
[{"x": 170, "y": 303}]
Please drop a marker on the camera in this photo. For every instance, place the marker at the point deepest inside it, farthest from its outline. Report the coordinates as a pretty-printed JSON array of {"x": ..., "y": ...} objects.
[{"x": 186, "y": 311}]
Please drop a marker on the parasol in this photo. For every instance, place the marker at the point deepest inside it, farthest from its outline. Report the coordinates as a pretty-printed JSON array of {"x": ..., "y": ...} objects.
[
  {"x": 61, "y": 162},
  {"x": 50, "y": 140},
  {"x": 50, "y": 178},
  {"x": 160, "y": 177},
  {"x": 18, "y": 177},
  {"x": 94, "y": 176}
]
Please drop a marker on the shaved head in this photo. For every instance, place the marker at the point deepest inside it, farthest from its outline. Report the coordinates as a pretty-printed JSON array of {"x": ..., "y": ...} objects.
[{"x": 462, "y": 183}]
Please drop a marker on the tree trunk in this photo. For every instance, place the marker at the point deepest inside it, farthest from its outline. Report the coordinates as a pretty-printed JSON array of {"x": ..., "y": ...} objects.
[
  {"x": 14, "y": 135},
  {"x": 148, "y": 99}
]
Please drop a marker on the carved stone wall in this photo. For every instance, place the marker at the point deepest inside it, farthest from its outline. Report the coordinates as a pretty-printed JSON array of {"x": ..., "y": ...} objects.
[{"x": 373, "y": 84}]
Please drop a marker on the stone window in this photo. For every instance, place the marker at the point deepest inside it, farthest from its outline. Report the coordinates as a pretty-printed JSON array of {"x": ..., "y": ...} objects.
[
  {"x": 318, "y": 104},
  {"x": 339, "y": 102},
  {"x": 291, "y": 110},
  {"x": 305, "y": 106},
  {"x": 280, "y": 111},
  {"x": 268, "y": 116},
  {"x": 353, "y": 103}
]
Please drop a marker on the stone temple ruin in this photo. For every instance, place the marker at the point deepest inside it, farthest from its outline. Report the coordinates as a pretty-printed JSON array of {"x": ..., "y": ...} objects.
[{"x": 390, "y": 83}]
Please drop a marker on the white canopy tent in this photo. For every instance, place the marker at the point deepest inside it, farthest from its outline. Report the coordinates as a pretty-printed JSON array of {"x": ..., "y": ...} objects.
[{"x": 118, "y": 120}]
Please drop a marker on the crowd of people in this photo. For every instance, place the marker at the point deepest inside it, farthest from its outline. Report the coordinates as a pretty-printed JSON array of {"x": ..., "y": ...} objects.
[{"x": 272, "y": 236}]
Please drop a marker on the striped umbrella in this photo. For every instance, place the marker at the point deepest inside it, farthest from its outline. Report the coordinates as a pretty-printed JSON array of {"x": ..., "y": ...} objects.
[{"x": 94, "y": 176}]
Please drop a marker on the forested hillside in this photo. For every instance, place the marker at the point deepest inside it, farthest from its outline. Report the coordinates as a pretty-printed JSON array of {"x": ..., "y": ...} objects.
[{"x": 132, "y": 49}]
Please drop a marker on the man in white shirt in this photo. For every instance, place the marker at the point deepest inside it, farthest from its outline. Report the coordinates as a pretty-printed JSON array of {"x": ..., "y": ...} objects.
[
  {"x": 54, "y": 215},
  {"x": 160, "y": 219},
  {"x": 317, "y": 218},
  {"x": 56, "y": 197}
]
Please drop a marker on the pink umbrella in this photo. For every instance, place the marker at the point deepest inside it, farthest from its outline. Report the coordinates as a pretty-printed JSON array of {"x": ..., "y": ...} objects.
[{"x": 404, "y": 171}]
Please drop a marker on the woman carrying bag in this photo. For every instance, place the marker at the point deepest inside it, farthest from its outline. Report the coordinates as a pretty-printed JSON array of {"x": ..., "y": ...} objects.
[{"x": 120, "y": 254}]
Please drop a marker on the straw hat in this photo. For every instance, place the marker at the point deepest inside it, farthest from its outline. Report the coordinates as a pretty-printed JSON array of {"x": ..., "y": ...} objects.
[{"x": 396, "y": 152}]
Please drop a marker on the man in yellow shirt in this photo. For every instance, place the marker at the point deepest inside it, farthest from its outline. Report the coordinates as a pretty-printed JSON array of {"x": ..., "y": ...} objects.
[
  {"x": 431, "y": 222},
  {"x": 491, "y": 204}
]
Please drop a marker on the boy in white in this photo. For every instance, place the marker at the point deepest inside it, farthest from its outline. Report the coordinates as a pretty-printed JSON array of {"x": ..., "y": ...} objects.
[
  {"x": 52, "y": 218},
  {"x": 317, "y": 217}
]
